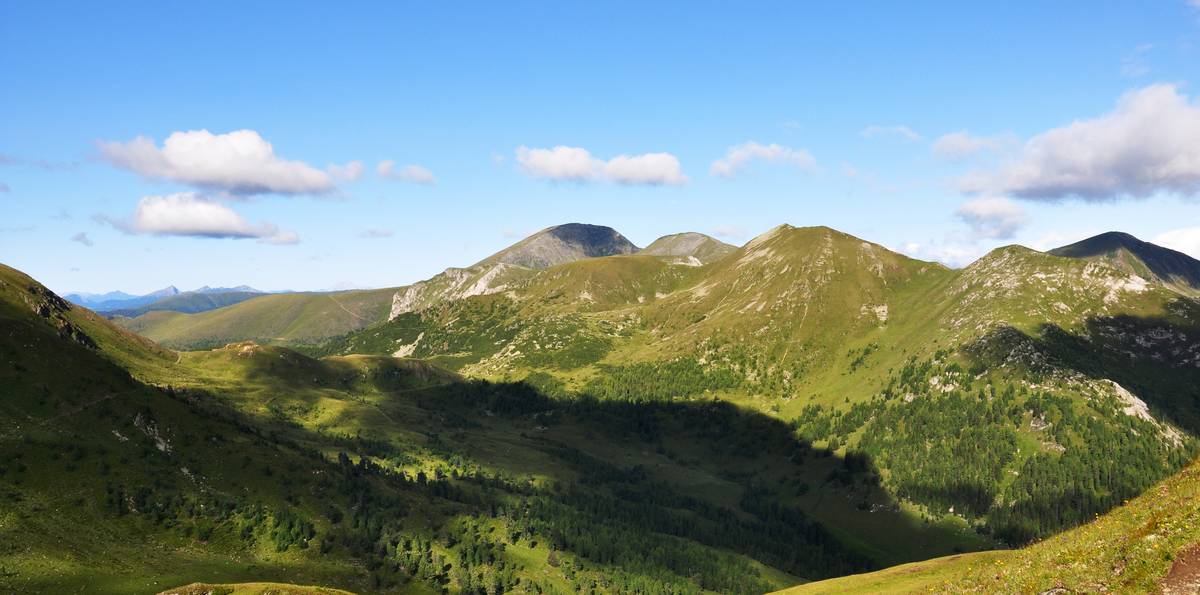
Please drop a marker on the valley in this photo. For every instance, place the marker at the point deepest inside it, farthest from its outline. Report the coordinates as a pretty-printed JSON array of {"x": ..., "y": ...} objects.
[{"x": 692, "y": 418}]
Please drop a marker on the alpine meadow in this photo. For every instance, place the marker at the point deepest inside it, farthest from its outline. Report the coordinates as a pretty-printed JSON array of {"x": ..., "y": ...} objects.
[{"x": 608, "y": 298}]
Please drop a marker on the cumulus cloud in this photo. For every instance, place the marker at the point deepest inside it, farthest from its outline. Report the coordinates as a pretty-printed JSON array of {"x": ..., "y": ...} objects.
[
  {"x": 993, "y": 217},
  {"x": 575, "y": 164},
  {"x": 376, "y": 234},
  {"x": 238, "y": 162},
  {"x": 348, "y": 173},
  {"x": 875, "y": 131},
  {"x": 1186, "y": 240},
  {"x": 560, "y": 163},
  {"x": 651, "y": 169},
  {"x": 409, "y": 173},
  {"x": 1150, "y": 143},
  {"x": 962, "y": 144},
  {"x": 739, "y": 156},
  {"x": 191, "y": 215},
  {"x": 82, "y": 238}
]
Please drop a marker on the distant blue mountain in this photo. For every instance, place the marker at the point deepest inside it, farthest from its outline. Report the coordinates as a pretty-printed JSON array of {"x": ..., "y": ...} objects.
[
  {"x": 117, "y": 300},
  {"x": 121, "y": 302}
]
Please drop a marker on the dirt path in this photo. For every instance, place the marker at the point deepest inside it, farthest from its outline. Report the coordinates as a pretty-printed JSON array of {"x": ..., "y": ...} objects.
[
  {"x": 339, "y": 304},
  {"x": 1184, "y": 577}
]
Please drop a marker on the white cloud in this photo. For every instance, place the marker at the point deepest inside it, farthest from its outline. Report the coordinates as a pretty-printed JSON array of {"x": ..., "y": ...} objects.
[
  {"x": 561, "y": 163},
  {"x": 1056, "y": 238},
  {"x": 575, "y": 164},
  {"x": 962, "y": 144},
  {"x": 1186, "y": 240},
  {"x": 409, "y": 173},
  {"x": 949, "y": 253},
  {"x": 739, "y": 156},
  {"x": 192, "y": 215},
  {"x": 82, "y": 238},
  {"x": 732, "y": 232},
  {"x": 1150, "y": 143},
  {"x": 349, "y": 172},
  {"x": 875, "y": 131},
  {"x": 992, "y": 217},
  {"x": 652, "y": 169},
  {"x": 238, "y": 162}
]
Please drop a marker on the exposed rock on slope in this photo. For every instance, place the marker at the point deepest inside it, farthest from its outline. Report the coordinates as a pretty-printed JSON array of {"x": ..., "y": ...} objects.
[
  {"x": 551, "y": 246},
  {"x": 456, "y": 283},
  {"x": 1173, "y": 269}
]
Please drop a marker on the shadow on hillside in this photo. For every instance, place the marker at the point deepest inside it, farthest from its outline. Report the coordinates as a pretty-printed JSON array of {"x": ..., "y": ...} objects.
[
  {"x": 1153, "y": 357},
  {"x": 648, "y": 456}
]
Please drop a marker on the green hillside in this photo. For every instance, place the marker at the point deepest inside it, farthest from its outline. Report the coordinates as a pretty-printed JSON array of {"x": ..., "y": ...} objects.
[
  {"x": 1149, "y": 544},
  {"x": 988, "y": 396},
  {"x": 251, "y": 589},
  {"x": 145, "y": 468},
  {"x": 691, "y": 244},
  {"x": 278, "y": 318}
]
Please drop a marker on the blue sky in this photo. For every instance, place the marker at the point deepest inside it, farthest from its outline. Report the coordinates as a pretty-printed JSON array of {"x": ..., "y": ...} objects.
[{"x": 814, "y": 113}]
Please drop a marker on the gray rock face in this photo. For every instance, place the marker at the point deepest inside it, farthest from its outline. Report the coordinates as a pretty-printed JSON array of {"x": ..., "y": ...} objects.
[{"x": 562, "y": 244}]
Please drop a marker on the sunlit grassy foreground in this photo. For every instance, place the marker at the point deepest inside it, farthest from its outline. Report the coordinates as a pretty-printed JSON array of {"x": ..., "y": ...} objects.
[{"x": 1130, "y": 550}]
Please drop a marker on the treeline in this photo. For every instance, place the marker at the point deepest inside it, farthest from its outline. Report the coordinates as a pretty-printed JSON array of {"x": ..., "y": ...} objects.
[
  {"x": 1022, "y": 463},
  {"x": 660, "y": 381},
  {"x": 601, "y": 527}
]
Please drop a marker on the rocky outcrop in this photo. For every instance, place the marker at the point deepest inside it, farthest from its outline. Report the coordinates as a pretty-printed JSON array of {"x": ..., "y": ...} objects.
[
  {"x": 499, "y": 272},
  {"x": 456, "y": 284}
]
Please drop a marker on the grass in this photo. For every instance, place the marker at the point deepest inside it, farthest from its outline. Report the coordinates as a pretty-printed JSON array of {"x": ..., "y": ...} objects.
[
  {"x": 793, "y": 316},
  {"x": 251, "y": 589},
  {"x": 916, "y": 577},
  {"x": 246, "y": 420},
  {"x": 278, "y": 318},
  {"x": 1128, "y": 550}
]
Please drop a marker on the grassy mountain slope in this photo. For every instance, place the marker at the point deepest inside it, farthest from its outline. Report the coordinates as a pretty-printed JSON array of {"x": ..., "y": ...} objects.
[
  {"x": 278, "y": 318},
  {"x": 190, "y": 302},
  {"x": 251, "y": 589},
  {"x": 503, "y": 270},
  {"x": 144, "y": 468},
  {"x": 1149, "y": 544},
  {"x": 1125, "y": 252},
  {"x": 455, "y": 284},
  {"x": 967, "y": 388},
  {"x": 703, "y": 248}
]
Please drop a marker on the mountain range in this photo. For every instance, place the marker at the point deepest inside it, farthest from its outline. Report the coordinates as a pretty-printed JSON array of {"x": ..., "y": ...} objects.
[
  {"x": 575, "y": 413},
  {"x": 119, "y": 303}
]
